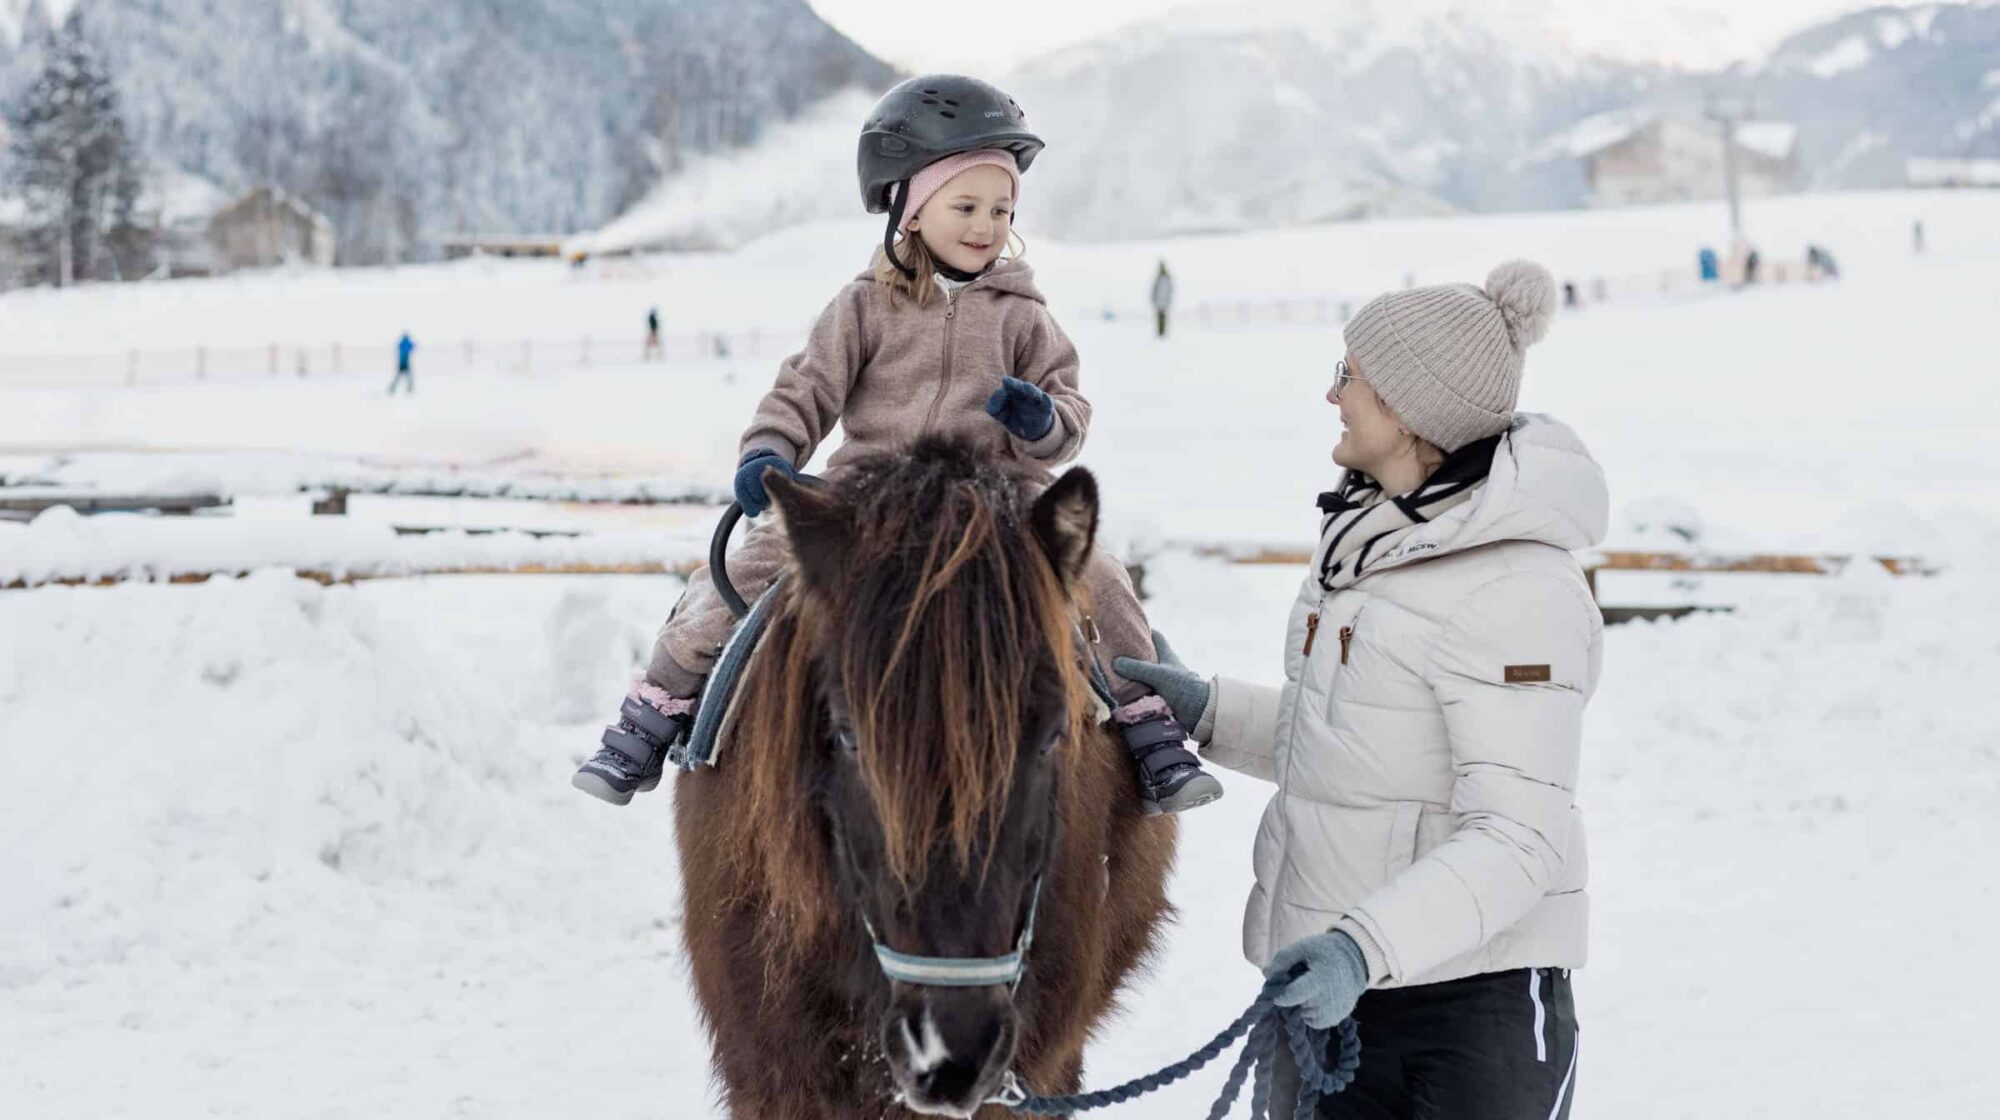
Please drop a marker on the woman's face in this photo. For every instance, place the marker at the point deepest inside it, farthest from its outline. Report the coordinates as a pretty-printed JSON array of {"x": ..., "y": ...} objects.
[
  {"x": 1370, "y": 434},
  {"x": 965, "y": 224}
]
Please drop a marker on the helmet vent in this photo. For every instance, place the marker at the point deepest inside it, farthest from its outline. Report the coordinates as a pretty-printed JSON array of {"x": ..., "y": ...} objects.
[
  {"x": 932, "y": 92},
  {"x": 947, "y": 113}
]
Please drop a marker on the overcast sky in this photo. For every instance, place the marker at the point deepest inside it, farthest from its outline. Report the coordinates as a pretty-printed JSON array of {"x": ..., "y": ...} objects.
[{"x": 991, "y": 37}]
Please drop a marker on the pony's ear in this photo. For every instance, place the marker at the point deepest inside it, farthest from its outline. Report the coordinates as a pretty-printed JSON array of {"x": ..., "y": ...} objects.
[
  {"x": 1065, "y": 522},
  {"x": 818, "y": 528}
]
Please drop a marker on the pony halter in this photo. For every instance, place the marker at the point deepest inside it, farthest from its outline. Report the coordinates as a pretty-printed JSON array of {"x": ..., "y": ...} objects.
[{"x": 960, "y": 972}]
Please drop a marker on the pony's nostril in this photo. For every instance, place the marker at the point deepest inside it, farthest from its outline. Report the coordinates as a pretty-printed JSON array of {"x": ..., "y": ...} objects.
[{"x": 950, "y": 1081}]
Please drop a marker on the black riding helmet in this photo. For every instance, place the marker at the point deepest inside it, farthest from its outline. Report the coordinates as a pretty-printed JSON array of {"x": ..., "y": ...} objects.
[{"x": 922, "y": 121}]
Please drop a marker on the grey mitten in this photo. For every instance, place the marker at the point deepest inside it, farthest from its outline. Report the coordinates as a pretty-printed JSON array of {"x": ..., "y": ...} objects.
[
  {"x": 1336, "y": 974},
  {"x": 1185, "y": 691}
]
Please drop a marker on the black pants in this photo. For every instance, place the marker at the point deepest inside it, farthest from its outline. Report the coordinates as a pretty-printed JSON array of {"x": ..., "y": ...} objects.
[{"x": 1498, "y": 1046}]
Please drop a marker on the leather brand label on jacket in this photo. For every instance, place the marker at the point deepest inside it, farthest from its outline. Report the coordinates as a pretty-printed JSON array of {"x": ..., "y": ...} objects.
[{"x": 1527, "y": 674}]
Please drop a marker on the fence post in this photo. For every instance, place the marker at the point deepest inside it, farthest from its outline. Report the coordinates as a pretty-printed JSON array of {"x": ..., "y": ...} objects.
[
  {"x": 527, "y": 355},
  {"x": 304, "y": 361},
  {"x": 336, "y": 359},
  {"x": 132, "y": 367},
  {"x": 274, "y": 359},
  {"x": 468, "y": 353}
]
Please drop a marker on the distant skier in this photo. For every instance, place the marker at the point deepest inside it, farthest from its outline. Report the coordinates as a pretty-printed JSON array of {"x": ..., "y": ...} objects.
[
  {"x": 653, "y": 351},
  {"x": 1917, "y": 237},
  {"x": 1163, "y": 299},
  {"x": 404, "y": 348}
]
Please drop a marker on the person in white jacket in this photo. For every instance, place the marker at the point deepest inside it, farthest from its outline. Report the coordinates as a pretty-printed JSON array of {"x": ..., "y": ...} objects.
[{"x": 1424, "y": 854}]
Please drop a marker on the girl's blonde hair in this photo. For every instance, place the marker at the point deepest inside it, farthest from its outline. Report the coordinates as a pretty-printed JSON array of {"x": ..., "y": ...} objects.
[{"x": 919, "y": 285}]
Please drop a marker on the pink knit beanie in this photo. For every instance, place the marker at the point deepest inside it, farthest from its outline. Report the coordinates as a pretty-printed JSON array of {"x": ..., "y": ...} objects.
[{"x": 933, "y": 177}]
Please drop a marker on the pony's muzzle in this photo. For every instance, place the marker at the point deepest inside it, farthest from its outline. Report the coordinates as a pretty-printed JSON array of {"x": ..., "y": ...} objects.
[{"x": 949, "y": 1049}]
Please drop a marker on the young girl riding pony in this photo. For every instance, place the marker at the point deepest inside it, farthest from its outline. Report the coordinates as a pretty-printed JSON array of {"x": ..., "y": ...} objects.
[{"x": 945, "y": 335}]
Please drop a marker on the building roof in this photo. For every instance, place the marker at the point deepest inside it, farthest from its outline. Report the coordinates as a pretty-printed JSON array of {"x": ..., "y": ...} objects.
[
  {"x": 1953, "y": 172},
  {"x": 278, "y": 195},
  {"x": 1776, "y": 139},
  {"x": 1596, "y": 134}
]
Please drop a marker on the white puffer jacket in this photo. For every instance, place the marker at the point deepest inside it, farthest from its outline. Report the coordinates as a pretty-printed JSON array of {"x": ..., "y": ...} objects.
[{"x": 1426, "y": 749}]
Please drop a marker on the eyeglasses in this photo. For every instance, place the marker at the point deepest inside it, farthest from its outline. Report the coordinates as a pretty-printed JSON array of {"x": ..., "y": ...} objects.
[{"x": 1342, "y": 378}]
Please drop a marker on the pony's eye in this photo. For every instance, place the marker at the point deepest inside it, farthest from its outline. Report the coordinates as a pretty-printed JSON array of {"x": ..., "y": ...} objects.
[
  {"x": 845, "y": 740},
  {"x": 1054, "y": 740}
]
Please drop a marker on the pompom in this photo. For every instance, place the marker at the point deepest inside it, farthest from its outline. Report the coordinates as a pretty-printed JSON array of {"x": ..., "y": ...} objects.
[{"x": 1526, "y": 295}]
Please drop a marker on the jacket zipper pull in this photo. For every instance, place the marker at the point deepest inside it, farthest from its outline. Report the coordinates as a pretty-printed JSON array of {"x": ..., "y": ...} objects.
[
  {"x": 1346, "y": 639},
  {"x": 1312, "y": 632}
]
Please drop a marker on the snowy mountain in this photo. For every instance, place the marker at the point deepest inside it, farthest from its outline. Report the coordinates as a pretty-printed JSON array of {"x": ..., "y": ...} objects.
[
  {"x": 1876, "y": 88},
  {"x": 404, "y": 122},
  {"x": 1281, "y": 112},
  {"x": 1358, "y": 118}
]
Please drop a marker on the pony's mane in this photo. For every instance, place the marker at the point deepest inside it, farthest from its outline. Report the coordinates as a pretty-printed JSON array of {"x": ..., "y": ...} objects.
[{"x": 951, "y": 618}]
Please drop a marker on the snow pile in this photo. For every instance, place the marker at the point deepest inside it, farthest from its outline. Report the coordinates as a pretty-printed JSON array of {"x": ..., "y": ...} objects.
[
  {"x": 275, "y": 473},
  {"x": 59, "y": 544},
  {"x": 273, "y": 848}
]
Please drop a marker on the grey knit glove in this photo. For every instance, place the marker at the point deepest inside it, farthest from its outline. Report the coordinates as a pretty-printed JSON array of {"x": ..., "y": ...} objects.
[
  {"x": 1185, "y": 691},
  {"x": 1336, "y": 974}
]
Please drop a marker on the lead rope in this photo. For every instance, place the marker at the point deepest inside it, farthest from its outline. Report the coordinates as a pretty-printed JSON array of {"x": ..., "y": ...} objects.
[{"x": 1262, "y": 1022}]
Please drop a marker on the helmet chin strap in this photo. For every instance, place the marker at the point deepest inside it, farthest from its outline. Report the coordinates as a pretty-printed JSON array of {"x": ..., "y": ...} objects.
[{"x": 902, "y": 191}]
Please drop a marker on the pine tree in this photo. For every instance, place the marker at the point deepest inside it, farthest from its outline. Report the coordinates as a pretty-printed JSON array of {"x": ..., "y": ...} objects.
[{"x": 73, "y": 165}]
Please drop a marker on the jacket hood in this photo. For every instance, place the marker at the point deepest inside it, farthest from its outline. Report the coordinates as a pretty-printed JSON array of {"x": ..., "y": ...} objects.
[
  {"x": 1013, "y": 277},
  {"x": 1544, "y": 486}
]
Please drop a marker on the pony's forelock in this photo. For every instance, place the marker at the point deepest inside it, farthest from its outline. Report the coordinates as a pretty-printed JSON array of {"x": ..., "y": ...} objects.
[{"x": 954, "y": 624}]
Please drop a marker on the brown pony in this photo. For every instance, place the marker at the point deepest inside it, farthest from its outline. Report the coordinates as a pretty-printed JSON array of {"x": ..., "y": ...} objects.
[{"x": 913, "y": 752}]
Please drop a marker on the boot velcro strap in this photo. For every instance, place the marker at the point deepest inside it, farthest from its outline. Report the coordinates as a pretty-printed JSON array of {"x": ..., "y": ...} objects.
[
  {"x": 635, "y": 745},
  {"x": 1162, "y": 757},
  {"x": 1144, "y": 738},
  {"x": 652, "y": 721}
]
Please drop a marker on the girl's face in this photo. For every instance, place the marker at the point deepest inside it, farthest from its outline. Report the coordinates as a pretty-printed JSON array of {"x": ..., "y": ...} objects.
[
  {"x": 1370, "y": 435},
  {"x": 965, "y": 224}
]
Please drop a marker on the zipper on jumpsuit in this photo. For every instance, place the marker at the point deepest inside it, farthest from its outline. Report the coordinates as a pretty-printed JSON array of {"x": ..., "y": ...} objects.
[{"x": 944, "y": 382}]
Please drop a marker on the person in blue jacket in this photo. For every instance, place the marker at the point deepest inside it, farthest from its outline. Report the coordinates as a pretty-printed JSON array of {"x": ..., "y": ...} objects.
[{"x": 404, "y": 347}]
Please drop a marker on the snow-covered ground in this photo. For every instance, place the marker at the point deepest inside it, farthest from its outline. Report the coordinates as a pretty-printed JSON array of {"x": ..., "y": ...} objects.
[{"x": 273, "y": 849}]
